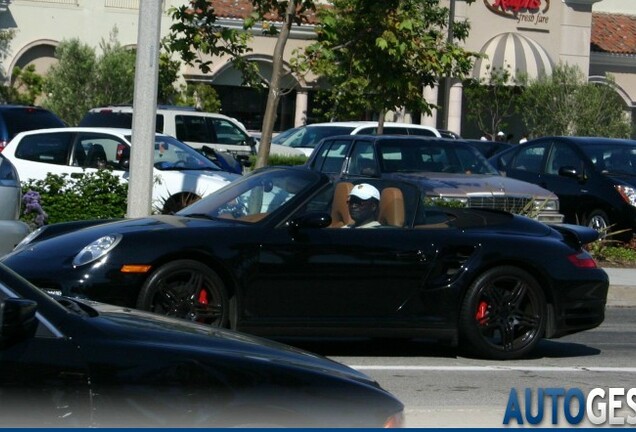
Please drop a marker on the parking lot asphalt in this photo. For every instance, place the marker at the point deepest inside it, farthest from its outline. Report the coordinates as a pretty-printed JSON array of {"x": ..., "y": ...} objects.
[{"x": 622, "y": 290}]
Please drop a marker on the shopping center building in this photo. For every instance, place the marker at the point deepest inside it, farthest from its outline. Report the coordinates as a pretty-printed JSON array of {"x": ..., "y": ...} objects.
[{"x": 526, "y": 36}]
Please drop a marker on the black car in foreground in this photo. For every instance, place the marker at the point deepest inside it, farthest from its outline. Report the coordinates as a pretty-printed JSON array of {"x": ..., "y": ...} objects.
[
  {"x": 594, "y": 178},
  {"x": 74, "y": 363},
  {"x": 266, "y": 255}
]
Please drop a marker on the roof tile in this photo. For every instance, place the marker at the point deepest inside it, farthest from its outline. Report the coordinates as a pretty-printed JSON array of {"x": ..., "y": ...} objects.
[{"x": 613, "y": 33}]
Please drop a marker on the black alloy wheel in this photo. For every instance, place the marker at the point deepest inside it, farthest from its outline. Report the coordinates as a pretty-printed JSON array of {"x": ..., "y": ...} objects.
[
  {"x": 503, "y": 315},
  {"x": 189, "y": 290}
]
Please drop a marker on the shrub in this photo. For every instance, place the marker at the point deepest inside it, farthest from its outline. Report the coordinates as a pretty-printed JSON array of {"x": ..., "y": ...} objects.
[
  {"x": 278, "y": 160},
  {"x": 98, "y": 195}
]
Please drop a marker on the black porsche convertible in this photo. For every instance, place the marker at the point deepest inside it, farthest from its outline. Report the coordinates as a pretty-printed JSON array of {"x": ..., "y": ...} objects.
[{"x": 266, "y": 255}]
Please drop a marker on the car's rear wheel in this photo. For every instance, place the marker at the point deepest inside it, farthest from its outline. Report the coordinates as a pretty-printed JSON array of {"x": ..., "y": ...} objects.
[
  {"x": 503, "y": 315},
  {"x": 187, "y": 289}
]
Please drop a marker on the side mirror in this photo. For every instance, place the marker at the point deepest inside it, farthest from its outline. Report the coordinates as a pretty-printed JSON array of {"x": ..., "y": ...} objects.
[
  {"x": 310, "y": 220},
  {"x": 17, "y": 320}
]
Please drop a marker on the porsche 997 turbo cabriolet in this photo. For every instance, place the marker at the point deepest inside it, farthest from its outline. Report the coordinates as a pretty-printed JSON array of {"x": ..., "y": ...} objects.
[{"x": 266, "y": 255}]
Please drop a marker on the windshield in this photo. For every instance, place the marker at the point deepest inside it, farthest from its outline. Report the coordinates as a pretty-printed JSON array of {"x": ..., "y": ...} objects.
[
  {"x": 172, "y": 154},
  {"x": 309, "y": 136},
  {"x": 616, "y": 159},
  {"x": 254, "y": 197},
  {"x": 433, "y": 156}
]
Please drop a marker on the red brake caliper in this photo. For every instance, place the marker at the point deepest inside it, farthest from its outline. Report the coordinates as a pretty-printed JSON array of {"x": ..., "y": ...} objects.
[
  {"x": 482, "y": 311},
  {"x": 203, "y": 297}
]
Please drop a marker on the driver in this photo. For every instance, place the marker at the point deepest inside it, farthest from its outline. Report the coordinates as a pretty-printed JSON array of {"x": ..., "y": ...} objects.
[{"x": 364, "y": 203}]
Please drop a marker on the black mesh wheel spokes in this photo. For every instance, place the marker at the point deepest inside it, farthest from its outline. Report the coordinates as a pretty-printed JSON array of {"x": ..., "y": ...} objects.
[
  {"x": 190, "y": 295},
  {"x": 508, "y": 314}
]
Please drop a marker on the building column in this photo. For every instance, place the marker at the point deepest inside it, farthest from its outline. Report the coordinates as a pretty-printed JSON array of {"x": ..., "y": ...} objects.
[
  {"x": 300, "y": 117},
  {"x": 455, "y": 108},
  {"x": 430, "y": 94}
]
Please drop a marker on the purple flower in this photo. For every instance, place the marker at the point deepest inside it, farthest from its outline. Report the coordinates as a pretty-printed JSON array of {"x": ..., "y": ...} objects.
[{"x": 31, "y": 201}]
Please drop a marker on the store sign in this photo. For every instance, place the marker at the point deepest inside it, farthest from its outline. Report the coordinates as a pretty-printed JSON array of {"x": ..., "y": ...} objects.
[{"x": 524, "y": 11}]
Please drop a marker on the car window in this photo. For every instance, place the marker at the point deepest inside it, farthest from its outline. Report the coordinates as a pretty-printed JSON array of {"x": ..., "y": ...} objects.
[
  {"x": 563, "y": 156},
  {"x": 99, "y": 151},
  {"x": 52, "y": 148},
  {"x": 226, "y": 132},
  {"x": 23, "y": 119},
  {"x": 115, "y": 119},
  {"x": 432, "y": 156},
  {"x": 421, "y": 132},
  {"x": 363, "y": 161},
  {"x": 388, "y": 130},
  {"x": 331, "y": 156},
  {"x": 194, "y": 128},
  {"x": 529, "y": 158},
  {"x": 171, "y": 154}
]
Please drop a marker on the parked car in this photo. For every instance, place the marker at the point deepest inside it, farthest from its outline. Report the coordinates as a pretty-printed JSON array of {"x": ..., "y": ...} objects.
[
  {"x": 73, "y": 363},
  {"x": 18, "y": 118},
  {"x": 181, "y": 174},
  {"x": 306, "y": 138},
  {"x": 12, "y": 230},
  {"x": 266, "y": 256},
  {"x": 594, "y": 178},
  {"x": 449, "y": 170},
  {"x": 195, "y": 128}
]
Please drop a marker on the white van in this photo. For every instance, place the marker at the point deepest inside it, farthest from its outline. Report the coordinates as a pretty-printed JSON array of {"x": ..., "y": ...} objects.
[{"x": 195, "y": 128}]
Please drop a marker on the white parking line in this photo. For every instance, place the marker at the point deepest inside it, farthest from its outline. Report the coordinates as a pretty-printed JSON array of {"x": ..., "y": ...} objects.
[{"x": 497, "y": 368}]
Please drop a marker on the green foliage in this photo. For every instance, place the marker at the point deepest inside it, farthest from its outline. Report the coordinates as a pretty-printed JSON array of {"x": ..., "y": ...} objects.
[
  {"x": 378, "y": 56},
  {"x": 279, "y": 160},
  {"x": 168, "y": 74},
  {"x": 98, "y": 195},
  {"x": 114, "y": 74},
  {"x": 564, "y": 103},
  {"x": 27, "y": 86},
  {"x": 202, "y": 96},
  {"x": 491, "y": 100}
]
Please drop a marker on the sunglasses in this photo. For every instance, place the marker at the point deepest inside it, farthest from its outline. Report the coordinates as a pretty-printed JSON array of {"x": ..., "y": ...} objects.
[{"x": 357, "y": 201}]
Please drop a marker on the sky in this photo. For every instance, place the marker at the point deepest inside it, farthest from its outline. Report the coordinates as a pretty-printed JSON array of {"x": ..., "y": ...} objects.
[{"x": 615, "y": 6}]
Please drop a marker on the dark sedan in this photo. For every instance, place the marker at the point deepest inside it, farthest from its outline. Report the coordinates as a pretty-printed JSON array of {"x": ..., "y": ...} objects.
[
  {"x": 594, "y": 178},
  {"x": 446, "y": 170},
  {"x": 263, "y": 256},
  {"x": 73, "y": 363}
]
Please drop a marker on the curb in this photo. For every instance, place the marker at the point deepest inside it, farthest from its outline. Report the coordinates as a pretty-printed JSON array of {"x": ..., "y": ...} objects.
[{"x": 622, "y": 290}]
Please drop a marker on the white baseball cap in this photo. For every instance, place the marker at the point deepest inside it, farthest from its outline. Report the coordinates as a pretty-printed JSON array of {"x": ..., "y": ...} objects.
[
  {"x": 365, "y": 191},
  {"x": 500, "y": 133}
]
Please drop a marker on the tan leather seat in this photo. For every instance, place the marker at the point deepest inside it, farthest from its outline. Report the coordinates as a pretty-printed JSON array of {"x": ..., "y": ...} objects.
[
  {"x": 391, "y": 207},
  {"x": 339, "y": 209}
]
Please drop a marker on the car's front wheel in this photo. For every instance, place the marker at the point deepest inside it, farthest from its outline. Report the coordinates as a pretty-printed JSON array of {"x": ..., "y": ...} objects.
[
  {"x": 503, "y": 315},
  {"x": 186, "y": 289}
]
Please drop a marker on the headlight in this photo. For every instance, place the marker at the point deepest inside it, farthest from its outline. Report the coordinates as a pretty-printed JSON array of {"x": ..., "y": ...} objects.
[
  {"x": 29, "y": 238},
  {"x": 96, "y": 249},
  {"x": 627, "y": 193},
  {"x": 546, "y": 205}
]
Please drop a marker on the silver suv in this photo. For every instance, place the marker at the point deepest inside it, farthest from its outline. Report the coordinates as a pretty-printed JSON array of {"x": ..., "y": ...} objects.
[{"x": 196, "y": 128}]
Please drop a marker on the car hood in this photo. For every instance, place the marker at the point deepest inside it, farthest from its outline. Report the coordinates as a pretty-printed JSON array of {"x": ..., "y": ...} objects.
[
  {"x": 476, "y": 185},
  {"x": 71, "y": 235},
  {"x": 197, "y": 341}
]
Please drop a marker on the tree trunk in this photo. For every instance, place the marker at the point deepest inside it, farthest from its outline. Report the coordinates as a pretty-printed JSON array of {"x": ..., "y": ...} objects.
[
  {"x": 273, "y": 95},
  {"x": 380, "y": 130}
]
